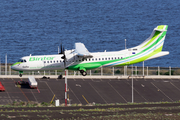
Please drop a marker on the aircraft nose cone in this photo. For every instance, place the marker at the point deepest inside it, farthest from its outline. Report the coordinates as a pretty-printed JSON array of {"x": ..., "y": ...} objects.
[{"x": 15, "y": 66}]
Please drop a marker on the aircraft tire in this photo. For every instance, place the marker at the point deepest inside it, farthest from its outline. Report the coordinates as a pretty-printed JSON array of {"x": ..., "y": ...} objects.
[
  {"x": 84, "y": 73},
  {"x": 20, "y": 75}
]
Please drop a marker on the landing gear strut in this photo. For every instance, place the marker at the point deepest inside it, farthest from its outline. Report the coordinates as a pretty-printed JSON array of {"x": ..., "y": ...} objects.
[
  {"x": 20, "y": 73},
  {"x": 84, "y": 73}
]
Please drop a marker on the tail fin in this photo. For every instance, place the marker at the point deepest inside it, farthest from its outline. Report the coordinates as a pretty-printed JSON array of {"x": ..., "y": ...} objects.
[{"x": 156, "y": 39}]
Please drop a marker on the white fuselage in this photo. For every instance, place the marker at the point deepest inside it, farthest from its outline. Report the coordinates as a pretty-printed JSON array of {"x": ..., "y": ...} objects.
[{"x": 55, "y": 62}]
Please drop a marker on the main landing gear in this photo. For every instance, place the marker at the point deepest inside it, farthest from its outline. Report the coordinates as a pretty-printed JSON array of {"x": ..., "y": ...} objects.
[{"x": 84, "y": 73}]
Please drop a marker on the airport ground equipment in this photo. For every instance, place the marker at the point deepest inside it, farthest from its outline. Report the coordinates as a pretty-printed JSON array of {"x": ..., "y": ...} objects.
[
  {"x": 32, "y": 82},
  {"x": 2, "y": 88}
]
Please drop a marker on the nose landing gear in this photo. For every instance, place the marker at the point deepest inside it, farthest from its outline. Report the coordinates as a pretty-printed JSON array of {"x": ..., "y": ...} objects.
[{"x": 20, "y": 73}]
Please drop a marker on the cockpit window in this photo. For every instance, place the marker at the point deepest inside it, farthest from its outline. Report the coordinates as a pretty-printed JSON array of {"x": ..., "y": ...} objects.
[{"x": 21, "y": 60}]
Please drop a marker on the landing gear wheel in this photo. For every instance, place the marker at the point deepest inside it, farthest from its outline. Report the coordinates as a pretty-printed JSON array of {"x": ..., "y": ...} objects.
[
  {"x": 20, "y": 75},
  {"x": 84, "y": 73}
]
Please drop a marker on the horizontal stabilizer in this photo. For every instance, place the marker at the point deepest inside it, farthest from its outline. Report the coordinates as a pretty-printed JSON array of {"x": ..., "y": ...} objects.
[{"x": 160, "y": 54}]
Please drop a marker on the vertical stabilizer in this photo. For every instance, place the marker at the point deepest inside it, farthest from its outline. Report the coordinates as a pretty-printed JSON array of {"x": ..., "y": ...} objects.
[{"x": 156, "y": 39}]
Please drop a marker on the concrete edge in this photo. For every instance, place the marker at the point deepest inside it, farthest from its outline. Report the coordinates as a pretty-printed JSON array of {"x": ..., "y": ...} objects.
[{"x": 95, "y": 77}]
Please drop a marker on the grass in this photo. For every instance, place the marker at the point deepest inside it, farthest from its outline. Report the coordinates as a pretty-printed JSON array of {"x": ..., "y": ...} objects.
[
  {"x": 46, "y": 104},
  {"x": 116, "y": 111},
  {"x": 111, "y": 113}
]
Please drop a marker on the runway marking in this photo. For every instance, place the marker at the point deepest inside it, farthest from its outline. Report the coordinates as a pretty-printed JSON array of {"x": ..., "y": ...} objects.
[
  {"x": 24, "y": 94},
  {"x": 8, "y": 82},
  {"x": 21, "y": 92},
  {"x": 162, "y": 92},
  {"x": 138, "y": 92},
  {"x": 98, "y": 93},
  {"x": 34, "y": 96},
  {"x": 118, "y": 92},
  {"x": 74, "y": 79},
  {"x": 38, "y": 90},
  {"x": 85, "y": 99},
  {"x": 175, "y": 86},
  {"x": 50, "y": 90},
  {"x": 75, "y": 95},
  {"x": 9, "y": 96}
]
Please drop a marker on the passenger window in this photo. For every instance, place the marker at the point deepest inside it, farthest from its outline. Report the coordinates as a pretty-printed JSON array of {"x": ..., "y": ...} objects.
[
  {"x": 47, "y": 61},
  {"x": 92, "y": 59},
  {"x": 106, "y": 58},
  {"x": 99, "y": 58},
  {"x": 54, "y": 61},
  {"x": 102, "y": 58},
  {"x": 44, "y": 61},
  {"x": 57, "y": 61},
  {"x": 96, "y": 59},
  {"x": 51, "y": 61},
  {"x": 89, "y": 59},
  {"x": 109, "y": 58}
]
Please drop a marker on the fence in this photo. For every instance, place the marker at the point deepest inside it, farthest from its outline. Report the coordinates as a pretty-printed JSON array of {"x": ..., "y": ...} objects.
[{"x": 105, "y": 71}]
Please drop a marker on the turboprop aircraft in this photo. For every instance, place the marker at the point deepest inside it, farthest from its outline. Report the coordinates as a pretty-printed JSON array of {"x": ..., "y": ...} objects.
[{"x": 80, "y": 59}]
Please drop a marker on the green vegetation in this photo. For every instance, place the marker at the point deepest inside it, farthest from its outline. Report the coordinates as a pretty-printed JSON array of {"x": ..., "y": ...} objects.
[
  {"x": 98, "y": 113},
  {"x": 48, "y": 104}
]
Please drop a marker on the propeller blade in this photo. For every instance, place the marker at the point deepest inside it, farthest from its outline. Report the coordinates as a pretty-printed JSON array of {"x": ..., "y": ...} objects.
[
  {"x": 61, "y": 49},
  {"x": 65, "y": 62}
]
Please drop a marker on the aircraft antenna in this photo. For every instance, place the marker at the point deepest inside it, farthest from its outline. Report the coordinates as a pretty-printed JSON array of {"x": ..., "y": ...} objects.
[{"x": 125, "y": 43}]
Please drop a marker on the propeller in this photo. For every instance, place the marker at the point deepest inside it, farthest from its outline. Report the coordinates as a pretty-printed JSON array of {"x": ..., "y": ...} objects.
[
  {"x": 62, "y": 49},
  {"x": 64, "y": 55}
]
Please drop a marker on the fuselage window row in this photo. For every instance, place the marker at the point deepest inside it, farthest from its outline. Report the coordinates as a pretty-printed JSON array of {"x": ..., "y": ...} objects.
[{"x": 91, "y": 59}]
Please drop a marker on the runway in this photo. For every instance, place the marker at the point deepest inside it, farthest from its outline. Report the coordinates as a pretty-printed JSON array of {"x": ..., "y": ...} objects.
[{"x": 83, "y": 91}]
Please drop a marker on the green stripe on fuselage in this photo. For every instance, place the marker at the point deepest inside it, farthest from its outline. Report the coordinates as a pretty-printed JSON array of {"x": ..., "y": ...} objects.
[
  {"x": 93, "y": 65},
  {"x": 16, "y": 63},
  {"x": 153, "y": 38}
]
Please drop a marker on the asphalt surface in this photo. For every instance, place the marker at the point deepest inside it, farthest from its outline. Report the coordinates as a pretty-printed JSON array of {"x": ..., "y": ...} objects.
[{"x": 83, "y": 91}]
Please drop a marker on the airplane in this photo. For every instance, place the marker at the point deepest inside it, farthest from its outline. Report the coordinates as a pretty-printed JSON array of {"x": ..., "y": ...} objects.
[{"x": 80, "y": 59}]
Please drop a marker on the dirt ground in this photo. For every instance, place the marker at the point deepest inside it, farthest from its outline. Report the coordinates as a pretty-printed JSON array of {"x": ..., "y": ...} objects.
[{"x": 142, "y": 112}]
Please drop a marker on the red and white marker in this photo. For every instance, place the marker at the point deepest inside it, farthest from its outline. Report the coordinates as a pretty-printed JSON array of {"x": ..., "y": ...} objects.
[{"x": 65, "y": 89}]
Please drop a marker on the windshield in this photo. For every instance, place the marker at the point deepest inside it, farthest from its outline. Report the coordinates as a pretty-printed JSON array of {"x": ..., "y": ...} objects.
[{"x": 21, "y": 60}]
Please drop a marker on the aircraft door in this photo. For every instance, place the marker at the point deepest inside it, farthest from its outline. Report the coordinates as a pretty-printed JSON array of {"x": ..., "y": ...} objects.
[{"x": 127, "y": 55}]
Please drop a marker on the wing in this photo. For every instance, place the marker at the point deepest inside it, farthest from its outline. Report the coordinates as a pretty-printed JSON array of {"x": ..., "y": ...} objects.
[{"x": 81, "y": 50}]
